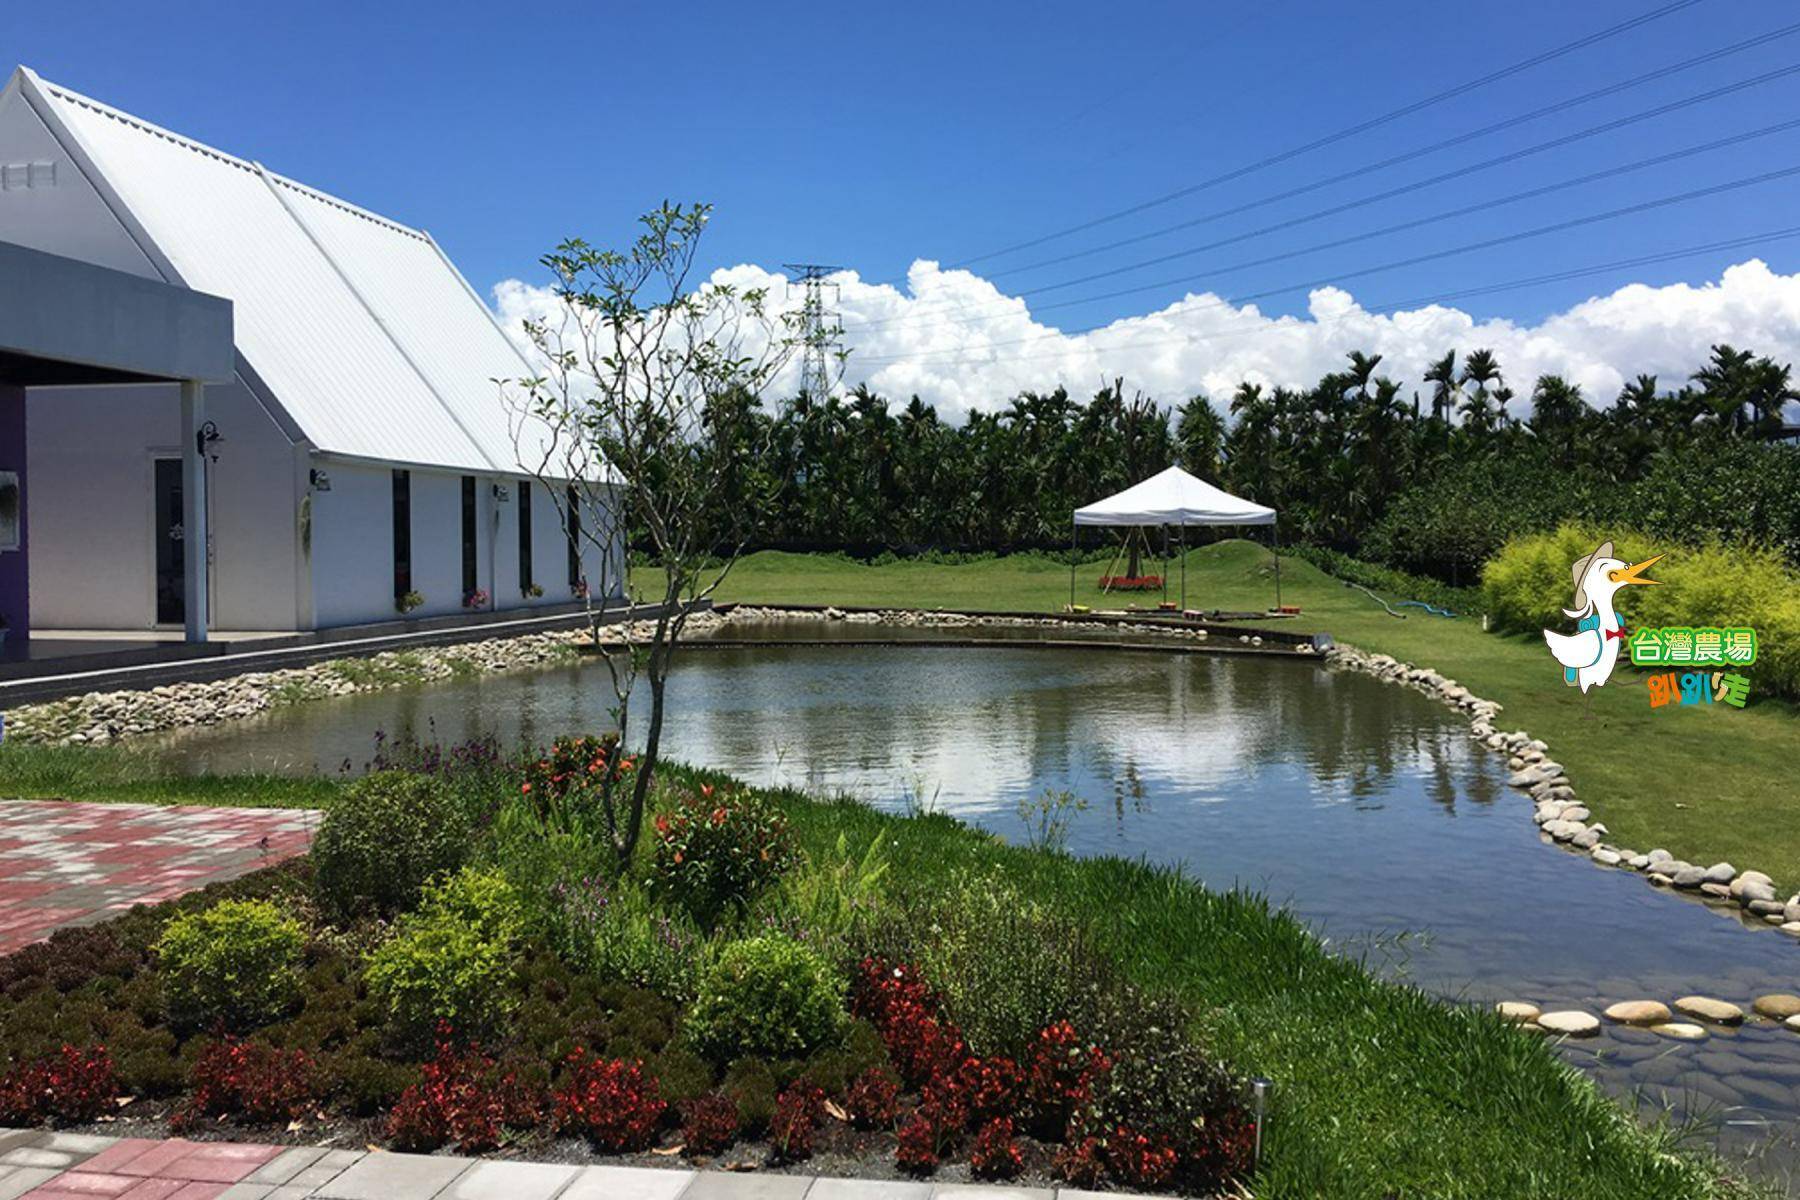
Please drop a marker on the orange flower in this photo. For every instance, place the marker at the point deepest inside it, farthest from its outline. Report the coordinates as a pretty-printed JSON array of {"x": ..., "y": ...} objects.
[
  {"x": 526, "y": 790},
  {"x": 678, "y": 856},
  {"x": 706, "y": 790}
]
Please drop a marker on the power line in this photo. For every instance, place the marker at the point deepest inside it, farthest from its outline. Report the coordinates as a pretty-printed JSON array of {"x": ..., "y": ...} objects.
[
  {"x": 1351, "y": 131},
  {"x": 1435, "y": 147},
  {"x": 1351, "y": 239},
  {"x": 1376, "y": 197},
  {"x": 1397, "y": 305},
  {"x": 1432, "y": 256}
]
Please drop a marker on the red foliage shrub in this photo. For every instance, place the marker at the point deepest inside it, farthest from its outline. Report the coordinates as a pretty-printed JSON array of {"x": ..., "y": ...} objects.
[
  {"x": 709, "y": 1123},
  {"x": 1060, "y": 1078},
  {"x": 872, "y": 1100},
  {"x": 798, "y": 1112},
  {"x": 994, "y": 1156},
  {"x": 903, "y": 1010},
  {"x": 462, "y": 1097},
  {"x": 1138, "y": 1159},
  {"x": 945, "y": 1103},
  {"x": 1080, "y": 1164},
  {"x": 918, "y": 1148},
  {"x": 609, "y": 1101},
  {"x": 252, "y": 1080},
  {"x": 70, "y": 1085},
  {"x": 1223, "y": 1147},
  {"x": 991, "y": 1086}
]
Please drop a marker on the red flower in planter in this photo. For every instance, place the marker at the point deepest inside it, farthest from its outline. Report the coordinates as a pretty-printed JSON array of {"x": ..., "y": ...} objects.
[
  {"x": 798, "y": 1112},
  {"x": 253, "y": 1080},
  {"x": 872, "y": 1101},
  {"x": 917, "y": 1151},
  {"x": 462, "y": 1097},
  {"x": 709, "y": 1124},
  {"x": 994, "y": 1155},
  {"x": 71, "y": 1085},
  {"x": 610, "y": 1101}
]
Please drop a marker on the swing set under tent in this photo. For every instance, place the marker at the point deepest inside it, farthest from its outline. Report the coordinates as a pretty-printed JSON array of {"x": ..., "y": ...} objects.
[{"x": 1171, "y": 499}]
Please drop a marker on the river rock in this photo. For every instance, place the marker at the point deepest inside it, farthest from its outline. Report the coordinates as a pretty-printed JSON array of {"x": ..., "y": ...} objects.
[
  {"x": 1516, "y": 1011},
  {"x": 1605, "y": 857},
  {"x": 1747, "y": 893},
  {"x": 1638, "y": 862},
  {"x": 1588, "y": 838},
  {"x": 1768, "y": 908},
  {"x": 1793, "y": 910},
  {"x": 1576, "y": 813},
  {"x": 1658, "y": 879},
  {"x": 1569, "y": 1023},
  {"x": 1777, "y": 1006},
  {"x": 1680, "y": 1030},
  {"x": 1792, "y": 927},
  {"x": 1721, "y": 872},
  {"x": 1716, "y": 891},
  {"x": 1659, "y": 855},
  {"x": 1793, "y": 1023},
  {"x": 1719, "y": 1012},
  {"x": 1688, "y": 877},
  {"x": 1747, "y": 878},
  {"x": 1639, "y": 1012}
]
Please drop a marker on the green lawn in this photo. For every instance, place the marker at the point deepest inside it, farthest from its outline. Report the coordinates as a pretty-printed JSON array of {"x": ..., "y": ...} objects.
[{"x": 1705, "y": 783}]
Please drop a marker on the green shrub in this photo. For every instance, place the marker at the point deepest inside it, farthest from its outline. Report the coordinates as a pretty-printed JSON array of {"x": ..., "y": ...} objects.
[
  {"x": 383, "y": 839},
  {"x": 617, "y": 935},
  {"x": 751, "y": 1083},
  {"x": 1003, "y": 965},
  {"x": 718, "y": 852},
  {"x": 236, "y": 963},
  {"x": 835, "y": 900},
  {"x": 766, "y": 996},
  {"x": 453, "y": 959},
  {"x": 1528, "y": 585}
]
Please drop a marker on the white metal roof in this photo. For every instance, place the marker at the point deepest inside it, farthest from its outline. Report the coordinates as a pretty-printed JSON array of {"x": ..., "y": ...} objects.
[{"x": 359, "y": 326}]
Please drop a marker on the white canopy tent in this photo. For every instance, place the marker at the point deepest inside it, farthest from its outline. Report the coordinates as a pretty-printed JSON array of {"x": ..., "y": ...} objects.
[{"x": 1174, "y": 498}]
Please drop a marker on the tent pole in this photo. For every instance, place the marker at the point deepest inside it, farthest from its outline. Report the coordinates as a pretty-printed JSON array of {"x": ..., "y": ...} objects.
[
  {"x": 1074, "y": 547},
  {"x": 1184, "y": 567},
  {"x": 1275, "y": 527},
  {"x": 1165, "y": 570}
]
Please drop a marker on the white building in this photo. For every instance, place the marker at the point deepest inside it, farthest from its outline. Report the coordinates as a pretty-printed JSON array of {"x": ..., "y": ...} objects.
[{"x": 363, "y": 451}]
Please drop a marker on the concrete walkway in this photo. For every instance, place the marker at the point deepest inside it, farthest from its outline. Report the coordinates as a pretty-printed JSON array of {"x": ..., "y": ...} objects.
[
  {"x": 67, "y": 1166},
  {"x": 73, "y": 864}
]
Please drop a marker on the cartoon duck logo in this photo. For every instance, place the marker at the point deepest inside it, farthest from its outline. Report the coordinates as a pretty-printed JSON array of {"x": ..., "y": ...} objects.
[{"x": 1590, "y": 653}]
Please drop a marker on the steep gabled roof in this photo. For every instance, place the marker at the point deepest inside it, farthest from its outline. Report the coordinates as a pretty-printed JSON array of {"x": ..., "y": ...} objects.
[{"x": 362, "y": 330}]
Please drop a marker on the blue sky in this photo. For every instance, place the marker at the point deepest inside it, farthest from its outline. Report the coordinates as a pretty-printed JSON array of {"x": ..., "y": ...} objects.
[{"x": 870, "y": 136}]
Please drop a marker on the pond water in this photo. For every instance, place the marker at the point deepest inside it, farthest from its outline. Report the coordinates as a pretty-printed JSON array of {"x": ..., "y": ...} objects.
[{"x": 1364, "y": 807}]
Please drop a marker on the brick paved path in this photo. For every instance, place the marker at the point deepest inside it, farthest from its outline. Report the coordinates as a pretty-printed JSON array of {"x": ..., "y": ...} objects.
[
  {"x": 65, "y": 1166},
  {"x": 74, "y": 864}
]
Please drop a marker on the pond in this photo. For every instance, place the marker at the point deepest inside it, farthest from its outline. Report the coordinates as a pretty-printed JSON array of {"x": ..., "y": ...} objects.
[{"x": 1364, "y": 807}]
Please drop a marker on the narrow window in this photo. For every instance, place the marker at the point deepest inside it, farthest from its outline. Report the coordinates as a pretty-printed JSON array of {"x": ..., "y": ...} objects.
[
  {"x": 525, "y": 535},
  {"x": 574, "y": 532},
  {"x": 468, "y": 534},
  {"x": 402, "y": 533}
]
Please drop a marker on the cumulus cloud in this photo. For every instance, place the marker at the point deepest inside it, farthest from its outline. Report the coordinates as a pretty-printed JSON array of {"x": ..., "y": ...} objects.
[{"x": 958, "y": 342}]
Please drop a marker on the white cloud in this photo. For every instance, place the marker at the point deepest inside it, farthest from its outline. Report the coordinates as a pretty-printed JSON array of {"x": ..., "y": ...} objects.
[{"x": 957, "y": 341}]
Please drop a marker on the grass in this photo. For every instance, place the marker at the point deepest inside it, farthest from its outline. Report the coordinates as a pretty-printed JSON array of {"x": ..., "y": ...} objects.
[
  {"x": 124, "y": 775},
  {"x": 1706, "y": 783}
]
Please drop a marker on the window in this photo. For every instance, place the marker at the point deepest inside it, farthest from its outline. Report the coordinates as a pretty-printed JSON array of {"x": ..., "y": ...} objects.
[
  {"x": 470, "y": 583},
  {"x": 402, "y": 533},
  {"x": 524, "y": 535},
  {"x": 574, "y": 532}
]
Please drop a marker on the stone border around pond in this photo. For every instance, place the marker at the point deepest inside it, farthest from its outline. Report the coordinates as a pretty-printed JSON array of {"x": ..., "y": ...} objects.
[{"x": 1563, "y": 819}]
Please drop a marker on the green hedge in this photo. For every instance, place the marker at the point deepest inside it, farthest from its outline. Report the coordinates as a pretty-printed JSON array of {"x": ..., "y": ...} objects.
[{"x": 1527, "y": 586}]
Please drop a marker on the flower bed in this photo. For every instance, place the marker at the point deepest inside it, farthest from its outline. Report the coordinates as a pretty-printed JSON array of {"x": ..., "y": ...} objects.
[
  {"x": 733, "y": 996},
  {"x": 1131, "y": 583}
]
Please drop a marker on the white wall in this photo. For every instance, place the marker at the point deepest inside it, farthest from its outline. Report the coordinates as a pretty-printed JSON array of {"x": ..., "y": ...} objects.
[
  {"x": 353, "y": 545},
  {"x": 93, "y": 537}
]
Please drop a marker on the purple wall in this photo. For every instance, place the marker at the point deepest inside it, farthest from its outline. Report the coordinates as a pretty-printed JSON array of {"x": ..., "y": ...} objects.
[{"x": 14, "y": 591}]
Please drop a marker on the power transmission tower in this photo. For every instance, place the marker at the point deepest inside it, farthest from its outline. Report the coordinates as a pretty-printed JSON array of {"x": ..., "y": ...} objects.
[{"x": 818, "y": 329}]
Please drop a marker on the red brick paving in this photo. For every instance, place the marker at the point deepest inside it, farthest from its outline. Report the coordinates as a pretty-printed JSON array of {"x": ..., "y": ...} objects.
[
  {"x": 145, "y": 1169},
  {"x": 74, "y": 864}
]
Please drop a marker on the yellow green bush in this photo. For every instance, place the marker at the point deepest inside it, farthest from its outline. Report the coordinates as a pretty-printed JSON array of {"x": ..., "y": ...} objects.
[{"x": 1526, "y": 587}]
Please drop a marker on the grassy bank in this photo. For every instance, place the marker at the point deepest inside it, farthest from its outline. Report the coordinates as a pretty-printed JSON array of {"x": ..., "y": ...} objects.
[
  {"x": 1705, "y": 783},
  {"x": 120, "y": 774}
]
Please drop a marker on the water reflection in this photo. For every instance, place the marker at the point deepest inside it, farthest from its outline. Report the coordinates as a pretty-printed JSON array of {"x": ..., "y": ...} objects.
[{"x": 1365, "y": 807}]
